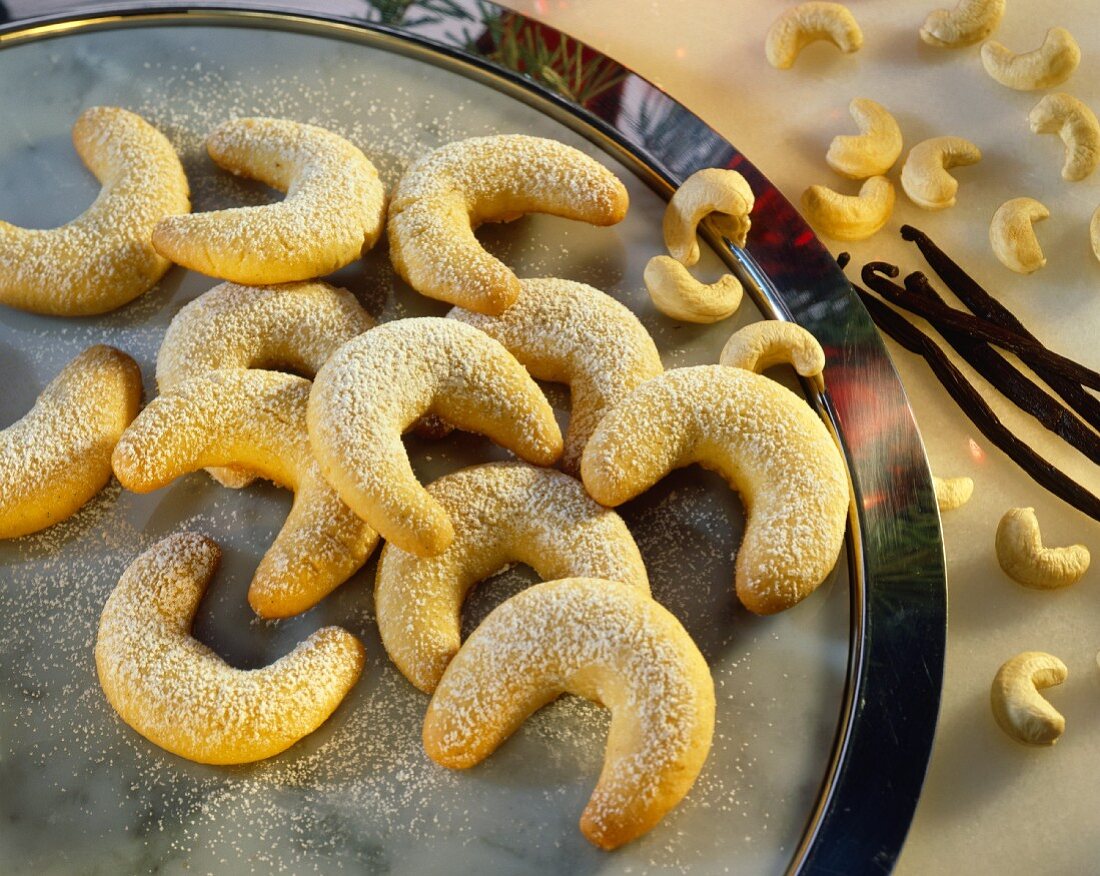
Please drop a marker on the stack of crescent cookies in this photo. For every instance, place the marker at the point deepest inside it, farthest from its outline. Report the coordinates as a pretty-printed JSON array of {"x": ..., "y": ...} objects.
[{"x": 228, "y": 403}]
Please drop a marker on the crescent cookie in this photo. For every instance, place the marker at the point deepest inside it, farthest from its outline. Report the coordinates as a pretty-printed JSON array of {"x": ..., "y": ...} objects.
[
  {"x": 290, "y": 327},
  {"x": 104, "y": 258},
  {"x": 445, "y": 195},
  {"x": 58, "y": 456},
  {"x": 333, "y": 212},
  {"x": 256, "y": 419},
  {"x": 502, "y": 513},
  {"x": 571, "y": 333},
  {"x": 764, "y": 440},
  {"x": 180, "y": 695},
  {"x": 604, "y": 641},
  {"x": 379, "y": 384}
]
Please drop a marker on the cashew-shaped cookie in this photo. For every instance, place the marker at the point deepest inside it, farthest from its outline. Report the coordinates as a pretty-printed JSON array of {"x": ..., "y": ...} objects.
[
  {"x": 850, "y": 217},
  {"x": 971, "y": 21},
  {"x": 1064, "y": 115},
  {"x": 58, "y": 456},
  {"x": 571, "y": 333},
  {"x": 607, "y": 642},
  {"x": 333, "y": 212},
  {"x": 797, "y": 27},
  {"x": 1018, "y": 707},
  {"x": 874, "y": 150},
  {"x": 180, "y": 695},
  {"x": 952, "y": 493},
  {"x": 721, "y": 196},
  {"x": 761, "y": 345},
  {"x": 1023, "y": 558},
  {"x": 288, "y": 327},
  {"x": 924, "y": 175},
  {"x": 104, "y": 258},
  {"x": 1012, "y": 235},
  {"x": 445, "y": 195},
  {"x": 769, "y": 446},
  {"x": 377, "y": 385},
  {"x": 256, "y": 419},
  {"x": 502, "y": 513},
  {"x": 1049, "y": 65},
  {"x": 678, "y": 295}
]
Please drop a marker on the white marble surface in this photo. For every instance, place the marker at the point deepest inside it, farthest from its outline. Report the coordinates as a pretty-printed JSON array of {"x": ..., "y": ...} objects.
[
  {"x": 81, "y": 793},
  {"x": 989, "y": 805}
]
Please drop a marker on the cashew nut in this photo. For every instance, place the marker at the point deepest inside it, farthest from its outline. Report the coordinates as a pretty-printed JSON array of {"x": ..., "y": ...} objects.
[
  {"x": 1019, "y": 708},
  {"x": 1021, "y": 554},
  {"x": 850, "y": 217},
  {"x": 679, "y": 295},
  {"x": 722, "y": 195},
  {"x": 971, "y": 21},
  {"x": 1064, "y": 115},
  {"x": 1094, "y": 233},
  {"x": 924, "y": 175},
  {"x": 760, "y": 345},
  {"x": 875, "y": 150},
  {"x": 801, "y": 25},
  {"x": 1050, "y": 64},
  {"x": 1013, "y": 238},
  {"x": 952, "y": 493}
]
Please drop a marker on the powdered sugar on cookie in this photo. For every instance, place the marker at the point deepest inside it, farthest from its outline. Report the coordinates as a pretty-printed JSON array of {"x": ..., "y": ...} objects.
[
  {"x": 502, "y": 513},
  {"x": 380, "y": 383},
  {"x": 104, "y": 258},
  {"x": 571, "y": 333},
  {"x": 334, "y": 207},
  {"x": 449, "y": 192},
  {"x": 604, "y": 641},
  {"x": 179, "y": 694},
  {"x": 766, "y": 442},
  {"x": 255, "y": 419}
]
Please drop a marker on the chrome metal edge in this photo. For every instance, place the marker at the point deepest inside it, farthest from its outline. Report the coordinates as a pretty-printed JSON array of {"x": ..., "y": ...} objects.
[{"x": 899, "y": 594}]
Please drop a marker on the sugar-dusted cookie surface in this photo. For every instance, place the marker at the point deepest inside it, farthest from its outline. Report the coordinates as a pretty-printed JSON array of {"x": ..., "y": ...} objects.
[
  {"x": 570, "y": 333},
  {"x": 58, "y": 456},
  {"x": 256, "y": 419},
  {"x": 180, "y": 695},
  {"x": 764, "y": 440},
  {"x": 607, "y": 642},
  {"x": 445, "y": 195},
  {"x": 334, "y": 209},
  {"x": 105, "y": 257},
  {"x": 502, "y": 513},
  {"x": 287, "y": 327},
  {"x": 379, "y": 384}
]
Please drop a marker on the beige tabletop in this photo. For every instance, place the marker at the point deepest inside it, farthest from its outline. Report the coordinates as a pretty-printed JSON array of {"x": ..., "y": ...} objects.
[{"x": 989, "y": 803}]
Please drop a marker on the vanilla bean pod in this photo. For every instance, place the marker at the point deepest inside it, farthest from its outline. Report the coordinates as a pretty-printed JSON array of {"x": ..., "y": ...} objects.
[
  {"x": 943, "y": 316},
  {"x": 1024, "y": 392},
  {"x": 975, "y": 407},
  {"x": 971, "y": 293},
  {"x": 1012, "y": 383}
]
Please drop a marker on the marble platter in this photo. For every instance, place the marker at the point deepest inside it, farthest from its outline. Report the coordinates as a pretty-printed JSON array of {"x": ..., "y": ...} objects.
[{"x": 825, "y": 713}]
